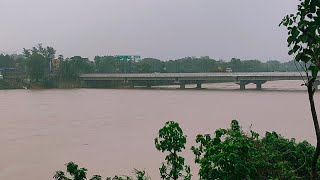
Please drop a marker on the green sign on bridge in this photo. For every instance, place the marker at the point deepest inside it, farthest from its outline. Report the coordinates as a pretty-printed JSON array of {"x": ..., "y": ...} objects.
[{"x": 128, "y": 57}]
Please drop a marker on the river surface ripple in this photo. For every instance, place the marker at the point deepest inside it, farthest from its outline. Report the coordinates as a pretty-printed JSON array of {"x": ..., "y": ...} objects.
[{"x": 112, "y": 131}]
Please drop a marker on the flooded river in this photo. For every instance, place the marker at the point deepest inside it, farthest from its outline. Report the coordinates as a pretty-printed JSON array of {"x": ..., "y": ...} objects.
[{"x": 112, "y": 131}]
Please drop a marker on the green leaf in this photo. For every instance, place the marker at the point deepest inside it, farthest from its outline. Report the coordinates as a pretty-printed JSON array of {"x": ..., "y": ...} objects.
[
  {"x": 314, "y": 71},
  {"x": 290, "y": 52},
  {"x": 290, "y": 40},
  {"x": 304, "y": 38},
  {"x": 295, "y": 48},
  {"x": 295, "y": 32}
]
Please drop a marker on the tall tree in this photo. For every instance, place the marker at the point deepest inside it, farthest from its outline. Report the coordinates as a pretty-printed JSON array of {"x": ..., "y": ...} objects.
[
  {"x": 41, "y": 55},
  {"x": 106, "y": 64},
  {"x": 172, "y": 140},
  {"x": 304, "y": 43},
  {"x": 72, "y": 67},
  {"x": 36, "y": 67},
  {"x": 6, "y": 61}
]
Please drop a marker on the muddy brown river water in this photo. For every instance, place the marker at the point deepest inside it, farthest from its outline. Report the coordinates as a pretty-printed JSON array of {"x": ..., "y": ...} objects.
[{"x": 112, "y": 131}]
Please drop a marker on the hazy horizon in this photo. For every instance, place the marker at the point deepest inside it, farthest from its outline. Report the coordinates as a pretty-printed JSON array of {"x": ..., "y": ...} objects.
[{"x": 160, "y": 29}]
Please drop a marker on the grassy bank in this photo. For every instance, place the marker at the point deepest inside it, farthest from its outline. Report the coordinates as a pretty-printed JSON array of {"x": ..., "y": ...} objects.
[{"x": 4, "y": 84}]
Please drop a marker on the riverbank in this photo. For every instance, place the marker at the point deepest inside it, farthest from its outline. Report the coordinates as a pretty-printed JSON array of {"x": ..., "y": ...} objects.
[
  {"x": 284, "y": 86},
  {"x": 5, "y": 84}
]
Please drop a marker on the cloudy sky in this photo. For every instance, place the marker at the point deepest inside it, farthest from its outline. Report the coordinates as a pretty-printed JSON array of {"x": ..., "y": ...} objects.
[{"x": 165, "y": 29}]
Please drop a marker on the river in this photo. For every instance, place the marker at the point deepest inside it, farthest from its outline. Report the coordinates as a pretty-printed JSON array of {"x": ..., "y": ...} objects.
[{"x": 112, "y": 131}]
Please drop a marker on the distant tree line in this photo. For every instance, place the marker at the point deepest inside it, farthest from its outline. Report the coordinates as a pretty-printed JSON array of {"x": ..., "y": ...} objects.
[
  {"x": 109, "y": 64},
  {"x": 37, "y": 63}
]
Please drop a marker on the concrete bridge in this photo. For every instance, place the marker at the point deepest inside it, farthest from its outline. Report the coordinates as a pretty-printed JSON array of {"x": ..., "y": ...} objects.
[{"x": 242, "y": 79}]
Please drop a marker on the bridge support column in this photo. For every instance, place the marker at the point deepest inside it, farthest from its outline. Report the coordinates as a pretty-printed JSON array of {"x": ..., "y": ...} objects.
[
  {"x": 259, "y": 84},
  {"x": 242, "y": 86},
  {"x": 149, "y": 84},
  {"x": 199, "y": 85},
  {"x": 131, "y": 84}
]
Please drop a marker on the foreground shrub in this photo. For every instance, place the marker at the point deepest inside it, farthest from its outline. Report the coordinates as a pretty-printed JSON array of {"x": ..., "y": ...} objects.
[
  {"x": 231, "y": 154},
  {"x": 74, "y": 172},
  {"x": 234, "y": 154},
  {"x": 172, "y": 140}
]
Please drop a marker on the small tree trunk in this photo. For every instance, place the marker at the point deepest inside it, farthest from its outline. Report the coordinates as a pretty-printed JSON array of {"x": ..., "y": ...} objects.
[
  {"x": 174, "y": 166},
  {"x": 317, "y": 129}
]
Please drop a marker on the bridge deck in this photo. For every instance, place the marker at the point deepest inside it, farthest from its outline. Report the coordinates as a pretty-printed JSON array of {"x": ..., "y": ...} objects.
[
  {"x": 242, "y": 79},
  {"x": 264, "y": 76},
  {"x": 152, "y": 75}
]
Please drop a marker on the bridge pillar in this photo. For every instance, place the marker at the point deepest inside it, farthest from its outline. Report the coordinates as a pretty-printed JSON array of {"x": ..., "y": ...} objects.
[
  {"x": 199, "y": 85},
  {"x": 131, "y": 84},
  {"x": 149, "y": 84},
  {"x": 243, "y": 84},
  {"x": 259, "y": 84}
]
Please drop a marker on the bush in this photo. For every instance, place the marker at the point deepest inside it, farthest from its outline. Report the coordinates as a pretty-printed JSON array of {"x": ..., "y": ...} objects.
[
  {"x": 234, "y": 154},
  {"x": 172, "y": 140},
  {"x": 74, "y": 172},
  {"x": 231, "y": 154}
]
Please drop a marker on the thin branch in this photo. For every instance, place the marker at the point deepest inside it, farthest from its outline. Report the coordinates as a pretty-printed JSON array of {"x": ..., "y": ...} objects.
[
  {"x": 304, "y": 163},
  {"x": 299, "y": 71},
  {"x": 305, "y": 65}
]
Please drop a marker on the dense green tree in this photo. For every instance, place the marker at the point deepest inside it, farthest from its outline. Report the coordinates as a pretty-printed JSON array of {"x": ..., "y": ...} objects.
[
  {"x": 74, "y": 172},
  {"x": 60, "y": 57},
  {"x": 139, "y": 175},
  {"x": 273, "y": 65},
  {"x": 36, "y": 67},
  {"x": 236, "y": 65},
  {"x": 148, "y": 65},
  {"x": 39, "y": 61},
  {"x": 106, "y": 64},
  {"x": 143, "y": 67},
  {"x": 112, "y": 64},
  {"x": 304, "y": 43},
  {"x": 72, "y": 67},
  {"x": 48, "y": 52},
  {"x": 7, "y": 61},
  {"x": 252, "y": 66},
  {"x": 172, "y": 140},
  {"x": 236, "y": 155}
]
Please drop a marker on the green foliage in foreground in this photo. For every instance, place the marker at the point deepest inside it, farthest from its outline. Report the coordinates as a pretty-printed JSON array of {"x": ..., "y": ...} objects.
[
  {"x": 172, "y": 140},
  {"x": 6, "y": 85},
  {"x": 74, "y": 172},
  {"x": 233, "y": 154}
]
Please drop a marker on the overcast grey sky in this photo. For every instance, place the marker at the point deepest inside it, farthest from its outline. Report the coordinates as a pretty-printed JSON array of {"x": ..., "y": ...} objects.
[{"x": 165, "y": 29}]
